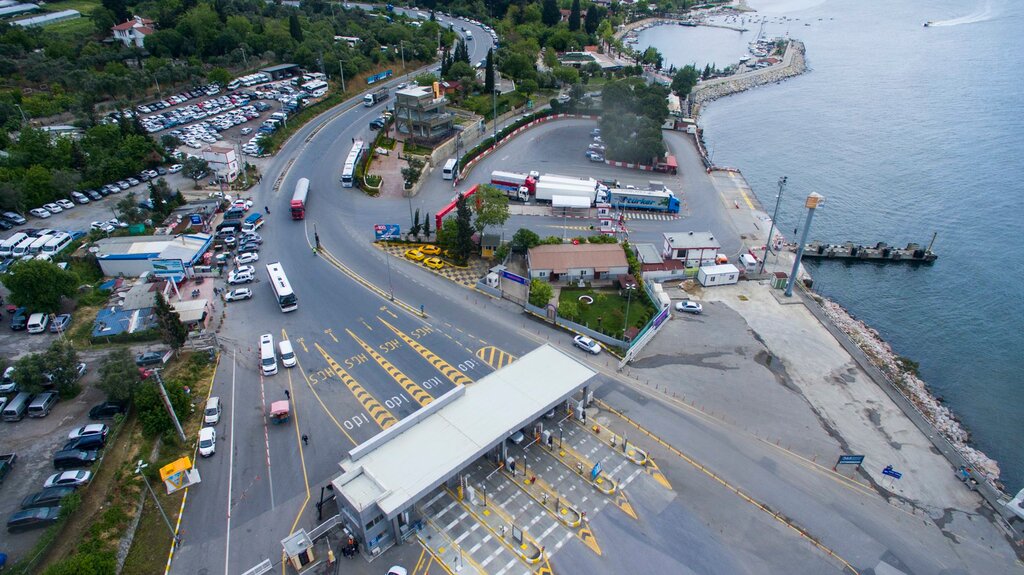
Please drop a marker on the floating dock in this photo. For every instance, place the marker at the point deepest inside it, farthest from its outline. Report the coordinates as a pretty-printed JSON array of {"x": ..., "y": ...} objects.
[{"x": 880, "y": 252}]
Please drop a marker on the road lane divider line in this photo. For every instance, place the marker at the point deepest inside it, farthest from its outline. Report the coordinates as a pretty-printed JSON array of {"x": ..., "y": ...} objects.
[
  {"x": 329, "y": 258},
  {"x": 309, "y": 384},
  {"x": 266, "y": 437},
  {"x": 418, "y": 394},
  {"x": 302, "y": 459},
  {"x": 373, "y": 407},
  {"x": 452, "y": 373}
]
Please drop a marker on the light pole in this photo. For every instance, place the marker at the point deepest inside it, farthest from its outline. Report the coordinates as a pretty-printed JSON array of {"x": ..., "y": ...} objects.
[
  {"x": 341, "y": 68},
  {"x": 811, "y": 203},
  {"x": 775, "y": 215},
  {"x": 138, "y": 471},
  {"x": 24, "y": 120},
  {"x": 167, "y": 404},
  {"x": 630, "y": 288},
  {"x": 391, "y": 289}
]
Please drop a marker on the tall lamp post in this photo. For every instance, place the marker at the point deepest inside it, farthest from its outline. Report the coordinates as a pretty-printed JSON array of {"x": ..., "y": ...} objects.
[
  {"x": 771, "y": 230},
  {"x": 812, "y": 202},
  {"x": 138, "y": 471},
  {"x": 630, "y": 288}
]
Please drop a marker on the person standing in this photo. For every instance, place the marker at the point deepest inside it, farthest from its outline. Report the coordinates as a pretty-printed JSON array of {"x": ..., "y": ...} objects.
[{"x": 305, "y": 439}]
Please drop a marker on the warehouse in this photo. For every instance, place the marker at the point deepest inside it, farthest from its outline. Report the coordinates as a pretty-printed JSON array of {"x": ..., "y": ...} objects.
[{"x": 131, "y": 256}]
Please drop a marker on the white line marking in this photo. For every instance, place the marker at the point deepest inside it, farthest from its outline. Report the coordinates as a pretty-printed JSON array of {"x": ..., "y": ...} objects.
[{"x": 231, "y": 467}]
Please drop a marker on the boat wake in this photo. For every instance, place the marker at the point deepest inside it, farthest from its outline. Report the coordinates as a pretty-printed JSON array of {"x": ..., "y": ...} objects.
[{"x": 982, "y": 14}]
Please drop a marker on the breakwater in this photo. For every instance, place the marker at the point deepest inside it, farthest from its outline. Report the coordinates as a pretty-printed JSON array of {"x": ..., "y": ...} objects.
[{"x": 793, "y": 63}]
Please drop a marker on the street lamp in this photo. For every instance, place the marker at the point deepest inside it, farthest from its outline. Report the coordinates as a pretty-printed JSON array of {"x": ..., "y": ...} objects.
[
  {"x": 138, "y": 471},
  {"x": 630, "y": 288},
  {"x": 811, "y": 203},
  {"x": 771, "y": 230}
]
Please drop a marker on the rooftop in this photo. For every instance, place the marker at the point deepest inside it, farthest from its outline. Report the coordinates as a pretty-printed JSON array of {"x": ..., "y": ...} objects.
[
  {"x": 559, "y": 258},
  {"x": 647, "y": 253},
  {"x": 404, "y": 462},
  {"x": 182, "y": 247},
  {"x": 688, "y": 240}
]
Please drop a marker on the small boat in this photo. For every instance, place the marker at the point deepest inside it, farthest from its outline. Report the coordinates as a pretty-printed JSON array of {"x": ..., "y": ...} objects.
[{"x": 928, "y": 23}]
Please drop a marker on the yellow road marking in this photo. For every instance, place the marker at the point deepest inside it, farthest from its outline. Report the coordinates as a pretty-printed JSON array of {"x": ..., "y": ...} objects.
[
  {"x": 494, "y": 357},
  {"x": 329, "y": 258},
  {"x": 448, "y": 370},
  {"x": 654, "y": 471},
  {"x": 309, "y": 384},
  {"x": 501, "y": 539},
  {"x": 418, "y": 394},
  {"x": 377, "y": 411},
  {"x": 302, "y": 453},
  {"x": 747, "y": 199},
  {"x": 302, "y": 342},
  {"x": 419, "y": 562},
  {"x": 583, "y": 532}
]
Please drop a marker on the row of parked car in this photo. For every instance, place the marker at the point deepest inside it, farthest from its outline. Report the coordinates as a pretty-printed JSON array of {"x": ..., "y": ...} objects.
[
  {"x": 196, "y": 92},
  {"x": 22, "y": 320},
  {"x": 221, "y": 113}
]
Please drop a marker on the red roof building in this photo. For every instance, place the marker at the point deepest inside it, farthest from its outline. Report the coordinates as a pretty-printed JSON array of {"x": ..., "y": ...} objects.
[{"x": 133, "y": 32}]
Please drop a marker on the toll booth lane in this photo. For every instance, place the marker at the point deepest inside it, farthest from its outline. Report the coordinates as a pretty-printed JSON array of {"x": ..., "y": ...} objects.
[{"x": 456, "y": 538}]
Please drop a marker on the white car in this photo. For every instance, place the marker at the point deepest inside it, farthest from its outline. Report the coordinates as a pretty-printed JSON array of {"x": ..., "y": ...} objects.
[
  {"x": 39, "y": 213},
  {"x": 245, "y": 270},
  {"x": 689, "y": 306},
  {"x": 397, "y": 570},
  {"x": 586, "y": 344},
  {"x": 207, "y": 441},
  {"x": 132, "y": 182},
  {"x": 238, "y": 294},
  {"x": 247, "y": 258},
  {"x": 53, "y": 208},
  {"x": 102, "y": 226},
  {"x": 175, "y": 168},
  {"x": 251, "y": 237},
  {"x": 123, "y": 185},
  {"x": 86, "y": 430},
  {"x": 66, "y": 204},
  {"x": 72, "y": 478},
  {"x": 239, "y": 278}
]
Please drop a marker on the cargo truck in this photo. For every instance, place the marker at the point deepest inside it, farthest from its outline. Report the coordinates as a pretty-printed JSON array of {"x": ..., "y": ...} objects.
[
  {"x": 374, "y": 98},
  {"x": 547, "y": 189},
  {"x": 516, "y": 186},
  {"x": 656, "y": 201}
]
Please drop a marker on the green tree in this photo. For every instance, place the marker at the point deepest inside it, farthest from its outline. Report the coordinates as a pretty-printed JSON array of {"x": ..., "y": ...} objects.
[
  {"x": 491, "y": 208},
  {"x": 220, "y": 76},
  {"x": 152, "y": 413},
  {"x": 550, "y": 14},
  {"x": 447, "y": 235},
  {"x": 605, "y": 32},
  {"x": 489, "y": 73},
  {"x": 523, "y": 240},
  {"x": 295, "y": 27},
  {"x": 684, "y": 81},
  {"x": 540, "y": 292},
  {"x": 593, "y": 20},
  {"x": 119, "y": 377},
  {"x": 39, "y": 285},
  {"x": 463, "y": 230},
  {"x": 173, "y": 331},
  {"x": 574, "y": 16},
  {"x": 195, "y": 169},
  {"x": 411, "y": 173},
  {"x": 56, "y": 367},
  {"x": 128, "y": 209}
]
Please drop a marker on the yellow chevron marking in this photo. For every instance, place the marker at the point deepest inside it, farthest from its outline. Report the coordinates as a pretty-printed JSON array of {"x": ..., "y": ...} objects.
[
  {"x": 411, "y": 387},
  {"x": 495, "y": 357},
  {"x": 448, "y": 370},
  {"x": 377, "y": 411}
]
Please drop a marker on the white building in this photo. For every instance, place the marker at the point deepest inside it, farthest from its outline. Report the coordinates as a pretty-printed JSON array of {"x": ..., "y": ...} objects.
[
  {"x": 223, "y": 161},
  {"x": 694, "y": 249},
  {"x": 131, "y": 256},
  {"x": 133, "y": 32}
]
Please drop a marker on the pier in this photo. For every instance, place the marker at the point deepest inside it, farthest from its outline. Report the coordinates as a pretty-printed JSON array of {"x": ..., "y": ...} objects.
[{"x": 880, "y": 252}]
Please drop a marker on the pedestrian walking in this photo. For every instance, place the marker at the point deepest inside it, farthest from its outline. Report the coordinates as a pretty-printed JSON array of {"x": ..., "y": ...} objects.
[
  {"x": 287, "y": 394},
  {"x": 305, "y": 439},
  {"x": 266, "y": 209}
]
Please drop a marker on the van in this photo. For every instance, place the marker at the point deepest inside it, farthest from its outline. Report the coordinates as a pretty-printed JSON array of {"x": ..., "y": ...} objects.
[
  {"x": 211, "y": 415},
  {"x": 38, "y": 322},
  {"x": 252, "y": 223},
  {"x": 7, "y": 246},
  {"x": 226, "y": 231},
  {"x": 268, "y": 359},
  {"x": 57, "y": 244},
  {"x": 42, "y": 404},
  {"x": 450, "y": 169},
  {"x": 37, "y": 245},
  {"x": 748, "y": 263},
  {"x": 22, "y": 248},
  {"x": 17, "y": 407},
  {"x": 287, "y": 353}
]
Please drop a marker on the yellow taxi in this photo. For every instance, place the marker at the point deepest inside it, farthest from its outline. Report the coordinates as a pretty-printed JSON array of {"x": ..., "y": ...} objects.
[
  {"x": 414, "y": 255},
  {"x": 433, "y": 263},
  {"x": 430, "y": 250}
]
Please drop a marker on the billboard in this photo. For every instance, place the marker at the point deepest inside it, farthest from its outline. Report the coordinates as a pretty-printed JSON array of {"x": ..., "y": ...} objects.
[
  {"x": 168, "y": 268},
  {"x": 386, "y": 231},
  {"x": 378, "y": 77}
]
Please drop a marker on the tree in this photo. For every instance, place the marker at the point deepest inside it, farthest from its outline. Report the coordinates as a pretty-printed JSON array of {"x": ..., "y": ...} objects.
[
  {"x": 295, "y": 27},
  {"x": 411, "y": 173},
  {"x": 463, "y": 231},
  {"x": 489, "y": 73},
  {"x": 173, "y": 331},
  {"x": 605, "y": 32},
  {"x": 119, "y": 377},
  {"x": 593, "y": 19},
  {"x": 195, "y": 169},
  {"x": 118, "y": 8},
  {"x": 523, "y": 240},
  {"x": 39, "y": 285},
  {"x": 128, "y": 209},
  {"x": 684, "y": 81},
  {"x": 447, "y": 235},
  {"x": 491, "y": 208},
  {"x": 426, "y": 225},
  {"x": 170, "y": 142},
  {"x": 550, "y": 14},
  {"x": 57, "y": 367},
  {"x": 152, "y": 413},
  {"x": 574, "y": 16},
  {"x": 540, "y": 292},
  {"x": 222, "y": 76}
]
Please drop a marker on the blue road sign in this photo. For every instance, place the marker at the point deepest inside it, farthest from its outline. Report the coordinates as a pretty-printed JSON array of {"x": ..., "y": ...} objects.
[
  {"x": 386, "y": 231},
  {"x": 851, "y": 459},
  {"x": 511, "y": 276},
  {"x": 196, "y": 219},
  {"x": 891, "y": 472},
  {"x": 595, "y": 471}
]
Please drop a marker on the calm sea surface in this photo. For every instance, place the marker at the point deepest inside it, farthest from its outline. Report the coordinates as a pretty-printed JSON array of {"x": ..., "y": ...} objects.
[{"x": 907, "y": 131}]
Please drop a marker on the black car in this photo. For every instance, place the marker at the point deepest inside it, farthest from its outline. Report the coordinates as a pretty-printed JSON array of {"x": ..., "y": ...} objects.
[
  {"x": 86, "y": 443},
  {"x": 5, "y": 225},
  {"x": 94, "y": 195},
  {"x": 107, "y": 410},
  {"x": 74, "y": 459},
  {"x": 20, "y": 319},
  {"x": 33, "y": 519},
  {"x": 149, "y": 358},
  {"x": 377, "y": 124},
  {"x": 49, "y": 497}
]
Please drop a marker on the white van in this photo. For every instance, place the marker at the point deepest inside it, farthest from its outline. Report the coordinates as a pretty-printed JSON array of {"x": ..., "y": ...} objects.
[
  {"x": 748, "y": 262},
  {"x": 37, "y": 246},
  {"x": 287, "y": 353},
  {"x": 38, "y": 322},
  {"x": 450, "y": 169},
  {"x": 22, "y": 248},
  {"x": 57, "y": 244},
  {"x": 211, "y": 415},
  {"x": 7, "y": 246},
  {"x": 268, "y": 358}
]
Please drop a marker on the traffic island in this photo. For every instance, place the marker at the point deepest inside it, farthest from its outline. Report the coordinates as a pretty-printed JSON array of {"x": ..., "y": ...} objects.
[
  {"x": 619, "y": 444},
  {"x": 591, "y": 473}
]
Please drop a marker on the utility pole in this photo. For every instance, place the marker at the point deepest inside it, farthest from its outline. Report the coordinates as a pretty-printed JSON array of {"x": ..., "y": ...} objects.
[
  {"x": 244, "y": 58},
  {"x": 341, "y": 67},
  {"x": 494, "y": 94},
  {"x": 138, "y": 471},
  {"x": 630, "y": 288},
  {"x": 167, "y": 404},
  {"x": 771, "y": 230},
  {"x": 401, "y": 45}
]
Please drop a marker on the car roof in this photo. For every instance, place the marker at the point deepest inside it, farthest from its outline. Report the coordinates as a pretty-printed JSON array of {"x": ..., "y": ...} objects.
[{"x": 206, "y": 433}]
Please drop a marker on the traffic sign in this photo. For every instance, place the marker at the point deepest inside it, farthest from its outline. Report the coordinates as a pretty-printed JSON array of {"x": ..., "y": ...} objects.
[
  {"x": 891, "y": 472},
  {"x": 386, "y": 231},
  {"x": 851, "y": 459},
  {"x": 196, "y": 219},
  {"x": 511, "y": 276},
  {"x": 595, "y": 471}
]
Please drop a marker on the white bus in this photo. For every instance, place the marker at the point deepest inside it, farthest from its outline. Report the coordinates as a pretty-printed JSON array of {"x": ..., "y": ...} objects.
[
  {"x": 315, "y": 88},
  {"x": 57, "y": 244},
  {"x": 7, "y": 246},
  {"x": 268, "y": 356},
  {"x": 349, "y": 173},
  {"x": 286, "y": 299},
  {"x": 37, "y": 246},
  {"x": 451, "y": 169}
]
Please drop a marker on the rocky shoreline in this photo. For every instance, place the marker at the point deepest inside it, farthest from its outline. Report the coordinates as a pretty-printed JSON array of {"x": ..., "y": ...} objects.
[{"x": 707, "y": 92}]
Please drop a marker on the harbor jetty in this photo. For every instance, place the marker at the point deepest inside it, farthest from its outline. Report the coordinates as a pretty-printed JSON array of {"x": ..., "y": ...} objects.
[{"x": 880, "y": 252}]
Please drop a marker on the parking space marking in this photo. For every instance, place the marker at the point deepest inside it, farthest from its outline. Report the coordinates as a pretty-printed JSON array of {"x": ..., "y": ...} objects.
[
  {"x": 418, "y": 394},
  {"x": 448, "y": 370},
  {"x": 377, "y": 411}
]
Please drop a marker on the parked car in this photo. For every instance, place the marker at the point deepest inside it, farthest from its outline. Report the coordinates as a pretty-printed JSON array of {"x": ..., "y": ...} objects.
[
  {"x": 430, "y": 250},
  {"x": 207, "y": 441},
  {"x": 90, "y": 429},
  {"x": 49, "y": 497},
  {"x": 60, "y": 323},
  {"x": 53, "y": 208},
  {"x": 433, "y": 263},
  {"x": 66, "y": 204},
  {"x": 75, "y": 458},
  {"x": 40, "y": 213},
  {"x": 14, "y": 218},
  {"x": 175, "y": 168},
  {"x": 238, "y": 294},
  {"x": 86, "y": 443},
  {"x": 102, "y": 226},
  {"x": 72, "y": 478},
  {"x": 149, "y": 358},
  {"x": 19, "y": 320},
  {"x": 107, "y": 410},
  {"x": 247, "y": 258},
  {"x": 237, "y": 278},
  {"x": 414, "y": 255},
  {"x": 689, "y": 307},
  {"x": 587, "y": 344},
  {"x": 35, "y": 518}
]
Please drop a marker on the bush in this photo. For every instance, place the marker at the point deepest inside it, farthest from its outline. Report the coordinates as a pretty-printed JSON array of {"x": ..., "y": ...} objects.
[{"x": 540, "y": 292}]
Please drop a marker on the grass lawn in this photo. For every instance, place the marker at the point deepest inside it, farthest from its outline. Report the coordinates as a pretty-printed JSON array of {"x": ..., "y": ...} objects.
[
  {"x": 608, "y": 305},
  {"x": 84, "y": 6}
]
